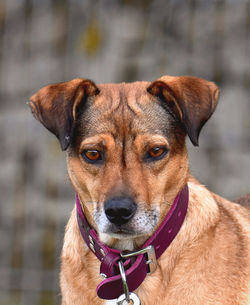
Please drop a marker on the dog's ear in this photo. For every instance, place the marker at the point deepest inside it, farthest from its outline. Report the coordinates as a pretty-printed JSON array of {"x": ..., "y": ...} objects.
[
  {"x": 193, "y": 100},
  {"x": 55, "y": 106}
]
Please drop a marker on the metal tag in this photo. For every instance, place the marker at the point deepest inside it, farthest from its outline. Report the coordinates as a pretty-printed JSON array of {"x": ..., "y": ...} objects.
[{"x": 133, "y": 299}]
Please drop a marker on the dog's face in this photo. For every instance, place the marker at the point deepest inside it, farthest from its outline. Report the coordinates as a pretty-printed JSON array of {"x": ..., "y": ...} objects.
[
  {"x": 123, "y": 160},
  {"x": 125, "y": 144}
]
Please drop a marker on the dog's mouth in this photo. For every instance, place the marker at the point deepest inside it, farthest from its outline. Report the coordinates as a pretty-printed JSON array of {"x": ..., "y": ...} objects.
[
  {"x": 127, "y": 231},
  {"x": 123, "y": 230}
]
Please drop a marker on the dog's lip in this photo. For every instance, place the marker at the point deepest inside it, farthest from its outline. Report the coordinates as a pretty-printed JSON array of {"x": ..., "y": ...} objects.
[
  {"x": 121, "y": 230},
  {"x": 122, "y": 235}
]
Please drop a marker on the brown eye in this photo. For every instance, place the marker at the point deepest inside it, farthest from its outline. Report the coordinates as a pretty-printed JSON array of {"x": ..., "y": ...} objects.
[
  {"x": 92, "y": 156},
  {"x": 156, "y": 153}
]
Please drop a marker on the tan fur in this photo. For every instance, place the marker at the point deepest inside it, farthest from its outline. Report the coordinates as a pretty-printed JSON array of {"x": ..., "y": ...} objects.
[{"x": 208, "y": 261}]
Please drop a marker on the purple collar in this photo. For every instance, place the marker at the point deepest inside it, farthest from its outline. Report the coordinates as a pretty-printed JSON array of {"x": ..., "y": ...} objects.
[{"x": 144, "y": 261}]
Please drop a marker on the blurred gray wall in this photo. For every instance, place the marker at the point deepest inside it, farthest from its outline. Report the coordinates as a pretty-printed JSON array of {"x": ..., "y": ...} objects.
[{"x": 107, "y": 41}]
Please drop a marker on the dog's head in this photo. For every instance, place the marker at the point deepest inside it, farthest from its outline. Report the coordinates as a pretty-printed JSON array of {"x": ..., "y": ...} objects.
[{"x": 125, "y": 146}]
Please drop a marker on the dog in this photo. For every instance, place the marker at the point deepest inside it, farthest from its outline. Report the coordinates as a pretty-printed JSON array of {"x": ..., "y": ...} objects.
[{"x": 127, "y": 161}]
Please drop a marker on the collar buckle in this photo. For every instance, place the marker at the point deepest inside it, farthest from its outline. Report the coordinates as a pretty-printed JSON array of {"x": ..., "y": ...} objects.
[{"x": 151, "y": 260}]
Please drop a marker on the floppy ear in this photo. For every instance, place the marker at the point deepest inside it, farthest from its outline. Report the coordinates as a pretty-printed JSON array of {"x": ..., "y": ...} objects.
[
  {"x": 55, "y": 106},
  {"x": 193, "y": 100}
]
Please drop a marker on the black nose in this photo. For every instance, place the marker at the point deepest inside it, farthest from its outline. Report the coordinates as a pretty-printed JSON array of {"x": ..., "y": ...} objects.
[{"x": 119, "y": 210}]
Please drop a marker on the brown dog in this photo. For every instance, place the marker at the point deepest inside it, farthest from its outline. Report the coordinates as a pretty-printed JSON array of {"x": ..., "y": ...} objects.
[{"x": 127, "y": 161}]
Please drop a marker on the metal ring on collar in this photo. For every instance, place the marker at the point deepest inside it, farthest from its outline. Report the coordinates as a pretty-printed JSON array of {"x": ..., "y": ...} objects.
[{"x": 124, "y": 281}]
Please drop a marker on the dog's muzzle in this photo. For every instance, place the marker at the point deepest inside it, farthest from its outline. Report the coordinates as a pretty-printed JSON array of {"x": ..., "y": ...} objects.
[{"x": 119, "y": 210}]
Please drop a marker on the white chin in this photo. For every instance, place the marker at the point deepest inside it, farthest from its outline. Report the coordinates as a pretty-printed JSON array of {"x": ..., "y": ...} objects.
[{"x": 123, "y": 242}]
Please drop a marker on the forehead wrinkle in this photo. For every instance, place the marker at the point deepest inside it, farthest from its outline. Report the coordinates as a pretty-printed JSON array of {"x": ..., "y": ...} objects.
[
  {"x": 125, "y": 110},
  {"x": 113, "y": 97},
  {"x": 148, "y": 114},
  {"x": 136, "y": 97},
  {"x": 108, "y": 101},
  {"x": 120, "y": 120}
]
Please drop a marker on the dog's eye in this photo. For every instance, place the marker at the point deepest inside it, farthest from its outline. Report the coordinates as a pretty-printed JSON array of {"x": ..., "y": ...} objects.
[
  {"x": 92, "y": 156},
  {"x": 156, "y": 153}
]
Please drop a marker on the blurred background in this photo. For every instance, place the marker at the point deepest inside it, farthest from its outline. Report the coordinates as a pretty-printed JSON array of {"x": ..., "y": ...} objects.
[{"x": 50, "y": 41}]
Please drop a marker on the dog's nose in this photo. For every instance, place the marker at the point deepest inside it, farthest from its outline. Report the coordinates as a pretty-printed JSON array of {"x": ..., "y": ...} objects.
[{"x": 119, "y": 210}]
